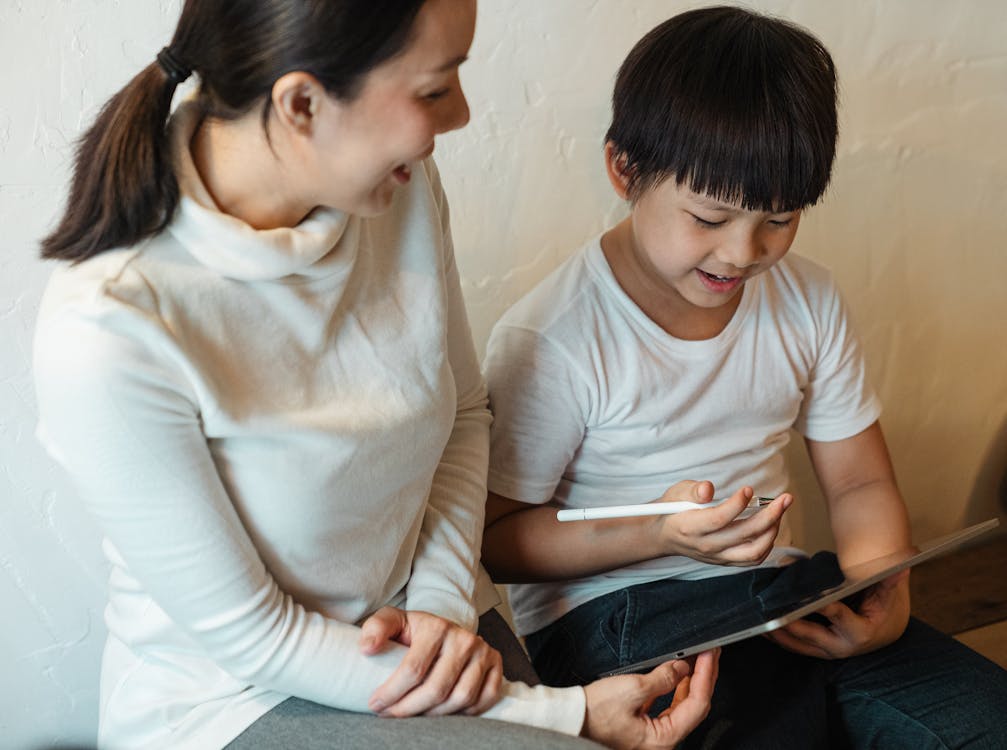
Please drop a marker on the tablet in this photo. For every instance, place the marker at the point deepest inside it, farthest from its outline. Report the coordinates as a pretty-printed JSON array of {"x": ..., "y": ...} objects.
[{"x": 856, "y": 580}]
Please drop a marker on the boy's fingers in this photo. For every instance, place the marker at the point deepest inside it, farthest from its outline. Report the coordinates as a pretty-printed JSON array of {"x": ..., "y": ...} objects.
[
  {"x": 702, "y": 492},
  {"x": 689, "y": 490}
]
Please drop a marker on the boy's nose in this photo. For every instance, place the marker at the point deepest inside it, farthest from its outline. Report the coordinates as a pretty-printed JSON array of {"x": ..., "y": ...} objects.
[{"x": 741, "y": 252}]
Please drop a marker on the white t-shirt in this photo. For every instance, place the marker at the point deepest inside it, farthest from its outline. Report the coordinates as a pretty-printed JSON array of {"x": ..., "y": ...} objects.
[
  {"x": 594, "y": 404},
  {"x": 279, "y": 432}
]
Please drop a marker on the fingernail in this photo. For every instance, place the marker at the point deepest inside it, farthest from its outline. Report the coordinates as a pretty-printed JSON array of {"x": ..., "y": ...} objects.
[{"x": 377, "y": 706}]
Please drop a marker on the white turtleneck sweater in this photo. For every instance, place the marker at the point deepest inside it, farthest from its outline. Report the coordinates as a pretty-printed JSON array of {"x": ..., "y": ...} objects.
[{"x": 279, "y": 432}]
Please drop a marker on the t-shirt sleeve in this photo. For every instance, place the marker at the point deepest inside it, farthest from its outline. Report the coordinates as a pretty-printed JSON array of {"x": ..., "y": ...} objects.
[
  {"x": 839, "y": 401},
  {"x": 541, "y": 406}
]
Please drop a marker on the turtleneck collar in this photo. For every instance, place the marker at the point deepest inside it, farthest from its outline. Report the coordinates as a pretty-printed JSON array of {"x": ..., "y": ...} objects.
[{"x": 228, "y": 245}]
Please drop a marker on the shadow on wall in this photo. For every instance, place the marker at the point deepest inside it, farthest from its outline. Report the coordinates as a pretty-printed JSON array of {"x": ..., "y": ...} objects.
[{"x": 989, "y": 494}]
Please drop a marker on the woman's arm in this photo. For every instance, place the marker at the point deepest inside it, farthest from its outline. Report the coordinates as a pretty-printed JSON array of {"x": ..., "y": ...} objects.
[
  {"x": 121, "y": 418},
  {"x": 446, "y": 563}
]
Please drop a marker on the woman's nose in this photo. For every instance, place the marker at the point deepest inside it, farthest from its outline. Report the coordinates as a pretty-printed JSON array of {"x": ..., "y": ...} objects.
[{"x": 456, "y": 115}]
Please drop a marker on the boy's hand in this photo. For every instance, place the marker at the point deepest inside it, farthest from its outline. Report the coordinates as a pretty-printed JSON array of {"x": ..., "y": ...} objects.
[
  {"x": 617, "y": 706},
  {"x": 882, "y": 618},
  {"x": 713, "y": 535},
  {"x": 447, "y": 669}
]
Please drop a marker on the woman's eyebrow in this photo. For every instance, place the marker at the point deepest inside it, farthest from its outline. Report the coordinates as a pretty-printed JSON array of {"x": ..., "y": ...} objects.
[{"x": 452, "y": 63}]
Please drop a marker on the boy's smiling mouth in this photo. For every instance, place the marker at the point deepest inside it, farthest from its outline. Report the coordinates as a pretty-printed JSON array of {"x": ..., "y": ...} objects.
[{"x": 719, "y": 284}]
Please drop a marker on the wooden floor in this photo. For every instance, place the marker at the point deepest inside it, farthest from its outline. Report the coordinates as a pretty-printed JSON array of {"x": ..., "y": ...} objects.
[
  {"x": 990, "y": 641},
  {"x": 964, "y": 594}
]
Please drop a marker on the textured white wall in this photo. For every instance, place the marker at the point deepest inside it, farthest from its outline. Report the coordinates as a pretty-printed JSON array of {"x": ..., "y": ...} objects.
[{"x": 914, "y": 228}]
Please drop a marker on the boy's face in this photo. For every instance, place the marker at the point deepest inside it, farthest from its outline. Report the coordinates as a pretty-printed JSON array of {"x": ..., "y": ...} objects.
[
  {"x": 684, "y": 257},
  {"x": 702, "y": 249}
]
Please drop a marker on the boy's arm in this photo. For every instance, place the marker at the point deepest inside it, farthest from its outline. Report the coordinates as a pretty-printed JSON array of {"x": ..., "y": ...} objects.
[
  {"x": 868, "y": 520},
  {"x": 523, "y": 542},
  {"x": 866, "y": 511}
]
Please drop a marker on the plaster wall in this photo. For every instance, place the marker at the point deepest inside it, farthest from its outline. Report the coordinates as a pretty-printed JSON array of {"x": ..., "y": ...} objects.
[{"x": 914, "y": 227}]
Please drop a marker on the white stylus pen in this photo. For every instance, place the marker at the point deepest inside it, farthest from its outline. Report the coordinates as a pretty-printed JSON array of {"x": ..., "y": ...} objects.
[{"x": 652, "y": 509}]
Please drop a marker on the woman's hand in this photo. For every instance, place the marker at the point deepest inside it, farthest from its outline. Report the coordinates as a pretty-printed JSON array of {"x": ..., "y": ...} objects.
[
  {"x": 617, "y": 706},
  {"x": 712, "y": 535},
  {"x": 882, "y": 618},
  {"x": 447, "y": 669}
]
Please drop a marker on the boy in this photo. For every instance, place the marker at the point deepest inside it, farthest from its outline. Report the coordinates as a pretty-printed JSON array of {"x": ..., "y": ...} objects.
[{"x": 681, "y": 343}]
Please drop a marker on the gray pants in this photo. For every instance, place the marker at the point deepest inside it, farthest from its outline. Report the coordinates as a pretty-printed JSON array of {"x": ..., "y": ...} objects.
[{"x": 301, "y": 724}]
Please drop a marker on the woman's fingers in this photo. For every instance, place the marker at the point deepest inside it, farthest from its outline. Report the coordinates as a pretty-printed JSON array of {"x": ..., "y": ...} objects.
[
  {"x": 456, "y": 680},
  {"x": 617, "y": 706},
  {"x": 387, "y": 624},
  {"x": 693, "y": 695},
  {"x": 447, "y": 670},
  {"x": 425, "y": 635}
]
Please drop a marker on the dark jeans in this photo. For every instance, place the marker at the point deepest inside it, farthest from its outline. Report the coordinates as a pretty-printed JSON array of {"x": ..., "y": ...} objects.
[{"x": 924, "y": 691}]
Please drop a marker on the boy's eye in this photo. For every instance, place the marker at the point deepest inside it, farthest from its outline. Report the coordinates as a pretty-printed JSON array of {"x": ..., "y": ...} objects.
[
  {"x": 706, "y": 223},
  {"x": 781, "y": 222}
]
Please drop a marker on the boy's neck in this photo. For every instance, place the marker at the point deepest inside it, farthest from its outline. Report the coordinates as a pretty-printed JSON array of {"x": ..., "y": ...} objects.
[{"x": 661, "y": 303}]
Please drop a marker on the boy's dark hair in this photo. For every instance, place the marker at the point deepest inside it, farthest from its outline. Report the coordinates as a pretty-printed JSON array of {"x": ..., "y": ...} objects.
[
  {"x": 734, "y": 104},
  {"x": 124, "y": 188}
]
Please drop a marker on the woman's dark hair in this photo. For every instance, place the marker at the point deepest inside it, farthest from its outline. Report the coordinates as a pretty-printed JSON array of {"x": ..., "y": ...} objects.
[
  {"x": 734, "y": 104},
  {"x": 123, "y": 187}
]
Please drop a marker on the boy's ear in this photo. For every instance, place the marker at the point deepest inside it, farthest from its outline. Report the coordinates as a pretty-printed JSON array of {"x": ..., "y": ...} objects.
[
  {"x": 618, "y": 172},
  {"x": 296, "y": 98}
]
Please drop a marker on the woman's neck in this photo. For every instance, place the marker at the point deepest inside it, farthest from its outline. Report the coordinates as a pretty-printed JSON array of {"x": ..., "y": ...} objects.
[{"x": 244, "y": 174}]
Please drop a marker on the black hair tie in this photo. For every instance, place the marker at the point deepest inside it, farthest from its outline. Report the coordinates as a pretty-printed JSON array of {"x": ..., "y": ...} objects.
[{"x": 171, "y": 65}]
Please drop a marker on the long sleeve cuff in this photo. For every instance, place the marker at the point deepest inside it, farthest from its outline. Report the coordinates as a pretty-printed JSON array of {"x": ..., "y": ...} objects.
[{"x": 559, "y": 709}]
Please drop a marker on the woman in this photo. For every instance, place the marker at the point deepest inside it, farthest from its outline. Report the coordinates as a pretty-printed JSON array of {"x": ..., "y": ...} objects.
[{"x": 259, "y": 374}]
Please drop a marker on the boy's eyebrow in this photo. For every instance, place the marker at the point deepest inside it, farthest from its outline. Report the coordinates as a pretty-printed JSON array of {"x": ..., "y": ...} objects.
[
  {"x": 715, "y": 205},
  {"x": 712, "y": 203}
]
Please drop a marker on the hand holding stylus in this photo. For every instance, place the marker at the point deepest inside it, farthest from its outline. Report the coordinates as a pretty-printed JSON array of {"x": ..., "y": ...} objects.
[{"x": 738, "y": 530}]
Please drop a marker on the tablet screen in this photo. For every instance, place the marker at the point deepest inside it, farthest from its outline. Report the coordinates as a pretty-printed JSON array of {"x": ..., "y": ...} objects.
[{"x": 801, "y": 589}]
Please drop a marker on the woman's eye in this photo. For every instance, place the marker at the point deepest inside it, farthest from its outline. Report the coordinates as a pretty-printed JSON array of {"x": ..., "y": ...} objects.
[
  {"x": 705, "y": 223},
  {"x": 435, "y": 95}
]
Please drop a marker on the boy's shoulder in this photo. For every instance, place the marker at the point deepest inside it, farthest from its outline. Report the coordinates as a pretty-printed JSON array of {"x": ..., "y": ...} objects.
[
  {"x": 564, "y": 296},
  {"x": 803, "y": 268},
  {"x": 802, "y": 281}
]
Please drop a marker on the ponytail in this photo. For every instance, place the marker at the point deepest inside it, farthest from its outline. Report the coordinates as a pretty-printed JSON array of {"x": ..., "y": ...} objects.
[{"x": 123, "y": 187}]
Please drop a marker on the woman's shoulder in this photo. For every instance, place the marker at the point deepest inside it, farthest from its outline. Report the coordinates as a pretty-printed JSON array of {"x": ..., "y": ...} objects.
[{"x": 116, "y": 295}]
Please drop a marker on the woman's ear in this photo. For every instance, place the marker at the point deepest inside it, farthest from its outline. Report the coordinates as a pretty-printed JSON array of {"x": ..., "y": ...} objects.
[
  {"x": 297, "y": 98},
  {"x": 617, "y": 170}
]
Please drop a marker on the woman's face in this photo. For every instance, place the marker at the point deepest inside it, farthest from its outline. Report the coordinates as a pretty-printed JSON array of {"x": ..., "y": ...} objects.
[{"x": 367, "y": 147}]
